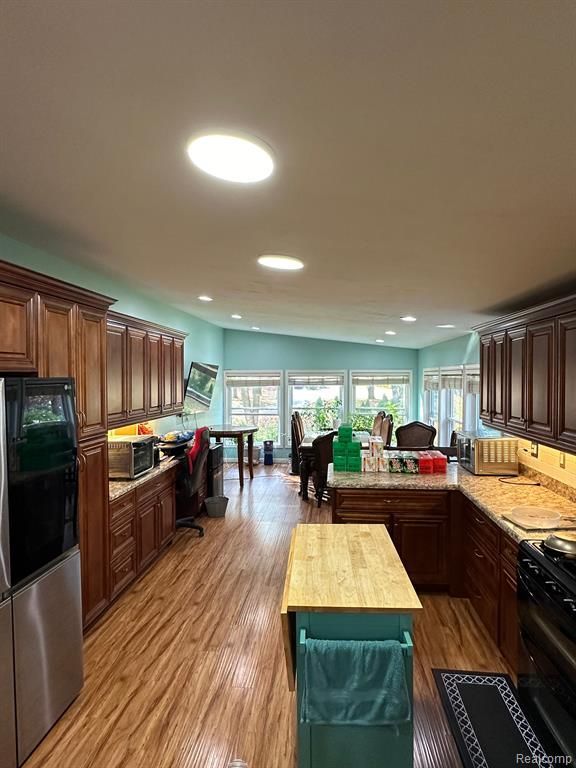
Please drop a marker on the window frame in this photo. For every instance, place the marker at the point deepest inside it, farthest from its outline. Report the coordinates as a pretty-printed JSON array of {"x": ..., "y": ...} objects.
[
  {"x": 382, "y": 372},
  {"x": 469, "y": 422},
  {"x": 314, "y": 372},
  {"x": 275, "y": 372}
]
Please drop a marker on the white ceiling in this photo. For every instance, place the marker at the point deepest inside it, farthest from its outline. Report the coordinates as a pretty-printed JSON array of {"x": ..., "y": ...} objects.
[{"x": 426, "y": 154}]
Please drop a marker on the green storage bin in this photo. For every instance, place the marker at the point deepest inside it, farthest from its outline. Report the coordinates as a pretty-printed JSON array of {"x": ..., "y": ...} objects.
[
  {"x": 345, "y": 433},
  {"x": 354, "y": 464},
  {"x": 340, "y": 464},
  {"x": 354, "y": 448},
  {"x": 338, "y": 448}
]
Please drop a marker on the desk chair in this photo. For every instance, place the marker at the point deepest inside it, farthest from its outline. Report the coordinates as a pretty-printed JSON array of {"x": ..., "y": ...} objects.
[{"x": 192, "y": 484}]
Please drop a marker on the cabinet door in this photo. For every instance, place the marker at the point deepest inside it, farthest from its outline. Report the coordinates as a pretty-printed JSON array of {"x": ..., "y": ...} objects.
[
  {"x": 178, "y": 384},
  {"x": 116, "y": 372},
  {"x": 147, "y": 533},
  {"x": 540, "y": 394},
  {"x": 56, "y": 337},
  {"x": 508, "y": 619},
  {"x": 167, "y": 374},
  {"x": 94, "y": 529},
  {"x": 136, "y": 374},
  {"x": 515, "y": 409},
  {"x": 18, "y": 324},
  {"x": 91, "y": 377},
  {"x": 486, "y": 378},
  {"x": 154, "y": 377},
  {"x": 498, "y": 378},
  {"x": 166, "y": 516},
  {"x": 566, "y": 381},
  {"x": 421, "y": 541}
]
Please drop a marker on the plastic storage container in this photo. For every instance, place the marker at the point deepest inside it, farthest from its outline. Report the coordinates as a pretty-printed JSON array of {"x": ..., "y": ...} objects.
[{"x": 216, "y": 505}]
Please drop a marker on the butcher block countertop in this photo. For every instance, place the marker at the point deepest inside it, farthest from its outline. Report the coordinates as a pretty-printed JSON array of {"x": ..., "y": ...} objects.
[{"x": 346, "y": 568}]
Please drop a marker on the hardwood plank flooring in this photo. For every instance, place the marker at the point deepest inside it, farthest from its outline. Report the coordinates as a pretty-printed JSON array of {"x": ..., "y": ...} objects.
[{"x": 187, "y": 669}]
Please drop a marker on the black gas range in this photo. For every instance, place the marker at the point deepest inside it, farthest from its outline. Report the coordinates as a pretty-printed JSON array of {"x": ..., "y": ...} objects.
[{"x": 547, "y": 653}]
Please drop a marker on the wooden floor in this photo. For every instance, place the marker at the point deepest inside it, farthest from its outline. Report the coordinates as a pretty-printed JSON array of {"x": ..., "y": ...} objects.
[{"x": 187, "y": 671}]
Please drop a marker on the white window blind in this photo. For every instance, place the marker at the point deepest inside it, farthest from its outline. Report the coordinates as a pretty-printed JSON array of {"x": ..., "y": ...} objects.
[
  {"x": 451, "y": 379},
  {"x": 253, "y": 380},
  {"x": 380, "y": 379},
  {"x": 315, "y": 380},
  {"x": 472, "y": 383},
  {"x": 431, "y": 381}
]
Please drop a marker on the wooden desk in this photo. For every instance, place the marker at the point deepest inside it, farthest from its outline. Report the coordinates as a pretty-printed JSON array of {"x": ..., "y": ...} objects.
[
  {"x": 237, "y": 433},
  {"x": 306, "y": 454}
]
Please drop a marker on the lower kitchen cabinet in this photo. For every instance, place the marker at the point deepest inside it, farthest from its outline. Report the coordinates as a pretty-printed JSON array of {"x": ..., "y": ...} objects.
[
  {"x": 166, "y": 516},
  {"x": 147, "y": 533},
  {"x": 508, "y": 618}
]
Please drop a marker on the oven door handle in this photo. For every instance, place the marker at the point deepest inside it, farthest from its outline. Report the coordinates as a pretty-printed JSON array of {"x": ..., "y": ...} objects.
[{"x": 527, "y": 586}]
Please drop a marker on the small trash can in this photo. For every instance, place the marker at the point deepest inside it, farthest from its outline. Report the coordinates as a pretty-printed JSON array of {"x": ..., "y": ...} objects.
[
  {"x": 255, "y": 454},
  {"x": 216, "y": 505},
  {"x": 268, "y": 452}
]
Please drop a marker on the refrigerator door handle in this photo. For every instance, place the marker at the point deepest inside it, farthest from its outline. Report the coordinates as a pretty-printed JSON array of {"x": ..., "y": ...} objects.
[{"x": 5, "y": 582}]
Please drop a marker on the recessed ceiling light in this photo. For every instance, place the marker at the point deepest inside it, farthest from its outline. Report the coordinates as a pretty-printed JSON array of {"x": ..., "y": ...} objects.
[
  {"x": 205, "y": 298},
  {"x": 379, "y": 341},
  {"x": 390, "y": 333},
  {"x": 409, "y": 319},
  {"x": 446, "y": 325},
  {"x": 255, "y": 328},
  {"x": 236, "y": 317},
  {"x": 275, "y": 261},
  {"x": 232, "y": 157}
]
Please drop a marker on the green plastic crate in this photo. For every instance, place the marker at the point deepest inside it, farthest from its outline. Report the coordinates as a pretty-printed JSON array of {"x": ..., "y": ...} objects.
[
  {"x": 339, "y": 448},
  {"x": 340, "y": 464},
  {"x": 354, "y": 448},
  {"x": 345, "y": 433},
  {"x": 354, "y": 464}
]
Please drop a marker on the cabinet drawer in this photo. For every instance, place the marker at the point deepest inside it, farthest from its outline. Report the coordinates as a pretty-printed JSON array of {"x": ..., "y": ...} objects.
[
  {"x": 122, "y": 506},
  {"x": 122, "y": 573},
  {"x": 363, "y": 516},
  {"x": 482, "y": 529},
  {"x": 153, "y": 487},
  {"x": 509, "y": 552},
  {"x": 481, "y": 566},
  {"x": 485, "y": 605},
  {"x": 396, "y": 501},
  {"x": 122, "y": 537}
]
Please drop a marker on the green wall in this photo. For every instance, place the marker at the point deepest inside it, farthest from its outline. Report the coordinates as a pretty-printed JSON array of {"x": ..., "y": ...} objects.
[
  {"x": 205, "y": 342},
  {"x": 464, "y": 350}
]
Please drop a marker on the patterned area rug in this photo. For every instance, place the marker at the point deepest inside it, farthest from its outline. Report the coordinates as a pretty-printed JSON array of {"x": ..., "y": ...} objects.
[{"x": 489, "y": 728}]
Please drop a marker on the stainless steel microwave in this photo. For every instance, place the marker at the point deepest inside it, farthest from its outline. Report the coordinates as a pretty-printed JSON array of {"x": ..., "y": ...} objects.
[
  {"x": 487, "y": 453},
  {"x": 130, "y": 456}
]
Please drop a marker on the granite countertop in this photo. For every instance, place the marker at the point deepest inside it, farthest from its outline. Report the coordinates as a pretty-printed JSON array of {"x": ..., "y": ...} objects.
[
  {"x": 486, "y": 492},
  {"x": 117, "y": 488}
]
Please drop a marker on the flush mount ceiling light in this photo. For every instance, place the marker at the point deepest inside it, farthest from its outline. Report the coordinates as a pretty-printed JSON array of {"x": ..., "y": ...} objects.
[
  {"x": 446, "y": 325},
  {"x": 409, "y": 319},
  {"x": 390, "y": 333},
  {"x": 242, "y": 159},
  {"x": 205, "y": 298},
  {"x": 255, "y": 328},
  {"x": 236, "y": 317},
  {"x": 379, "y": 341},
  {"x": 276, "y": 261}
]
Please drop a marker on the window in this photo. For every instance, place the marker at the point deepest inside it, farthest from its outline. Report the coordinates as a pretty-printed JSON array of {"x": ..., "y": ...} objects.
[
  {"x": 254, "y": 398},
  {"x": 451, "y": 400},
  {"x": 373, "y": 391},
  {"x": 319, "y": 397}
]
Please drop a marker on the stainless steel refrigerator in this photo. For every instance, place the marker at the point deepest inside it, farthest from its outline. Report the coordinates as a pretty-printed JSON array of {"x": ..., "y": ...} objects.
[{"x": 41, "y": 659}]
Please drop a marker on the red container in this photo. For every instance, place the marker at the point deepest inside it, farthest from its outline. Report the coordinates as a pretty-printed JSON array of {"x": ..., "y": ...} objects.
[
  {"x": 440, "y": 461},
  {"x": 425, "y": 463}
]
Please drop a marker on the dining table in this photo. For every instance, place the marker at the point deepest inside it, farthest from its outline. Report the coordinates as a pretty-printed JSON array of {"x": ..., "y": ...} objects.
[
  {"x": 220, "y": 431},
  {"x": 306, "y": 454}
]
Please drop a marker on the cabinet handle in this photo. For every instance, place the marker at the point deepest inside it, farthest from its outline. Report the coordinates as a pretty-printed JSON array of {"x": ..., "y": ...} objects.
[
  {"x": 480, "y": 521},
  {"x": 479, "y": 554}
]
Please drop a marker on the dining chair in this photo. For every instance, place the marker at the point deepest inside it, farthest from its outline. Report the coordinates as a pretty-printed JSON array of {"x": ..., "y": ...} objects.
[
  {"x": 377, "y": 423},
  {"x": 415, "y": 435},
  {"x": 322, "y": 447},
  {"x": 386, "y": 429}
]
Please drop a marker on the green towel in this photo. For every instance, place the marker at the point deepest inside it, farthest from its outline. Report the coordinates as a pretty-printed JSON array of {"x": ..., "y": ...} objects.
[{"x": 354, "y": 682}]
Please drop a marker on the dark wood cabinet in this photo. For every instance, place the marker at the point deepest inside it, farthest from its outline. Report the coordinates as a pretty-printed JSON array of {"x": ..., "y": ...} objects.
[
  {"x": 508, "y": 614},
  {"x": 136, "y": 365},
  {"x": 147, "y": 535},
  {"x": 540, "y": 385},
  {"x": 515, "y": 409},
  {"x": 147, "y": 372},
  {"x": 486, "y": 378},
  {"x": 93, "y": 518},
  {"x": 18, "y": 347},
  {"x": 116, "y": 337},
  {"x": 567, "y": 381},
  {"x": 498, "y": 378},
  {"x": 57, "y": 351},
  {"x": 166, "y": 516},
  {"x": 154, "y": 374},
  {"x": 422, "y": 543},
  {"x": 91, "y": 382}
]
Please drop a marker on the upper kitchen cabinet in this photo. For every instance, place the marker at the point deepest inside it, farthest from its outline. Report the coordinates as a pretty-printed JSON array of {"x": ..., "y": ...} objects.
[
  {"x": 56, "y": 337},
  {"x": 18, "y": 324},
  {"x": 538, "y": 365},
  {"x": 91, "y": 382},
  {"x": 566, "y": 381},
  {"x": 150, "y": 370}
]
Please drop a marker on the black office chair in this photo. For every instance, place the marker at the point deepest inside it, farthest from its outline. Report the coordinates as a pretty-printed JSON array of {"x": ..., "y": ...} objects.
[{"x": 192, "y": 481}]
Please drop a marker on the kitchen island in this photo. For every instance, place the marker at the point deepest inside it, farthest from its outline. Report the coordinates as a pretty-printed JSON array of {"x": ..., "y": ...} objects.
[{"x": 346, "y": 583}]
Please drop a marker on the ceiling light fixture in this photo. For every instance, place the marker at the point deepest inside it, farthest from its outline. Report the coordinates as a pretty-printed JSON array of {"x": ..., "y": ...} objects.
[
  {"x": 379, "y": 341},
  {"x": 390, "y": 333},
  {"x": 409, "y": 319},
  {"x": 242, "y": 159},
  {"x": 236, "y": 317},
  {"x": 205, "y": 298},
  {"x": 446, "y": 325},
  {"x": 255, "y": 328},
  {"x": 276, "y": 261}
]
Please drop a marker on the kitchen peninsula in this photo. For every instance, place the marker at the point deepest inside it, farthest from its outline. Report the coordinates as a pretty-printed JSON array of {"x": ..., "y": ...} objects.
[{"x": 346, "y": 583}]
